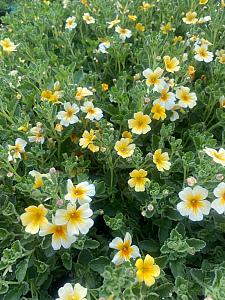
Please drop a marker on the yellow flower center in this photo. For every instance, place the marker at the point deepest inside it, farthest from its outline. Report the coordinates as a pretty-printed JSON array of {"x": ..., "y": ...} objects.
[
  {"x": 123, "y": 31},
  {"x": 69, "y": 113},
  {"x": 185, "y": 97},
  {"x": 153, "y": 79},
  {"x": 164, "y": 96},
  {"x": 78, "y": 192},
  {"x": 203, "y": 53}
]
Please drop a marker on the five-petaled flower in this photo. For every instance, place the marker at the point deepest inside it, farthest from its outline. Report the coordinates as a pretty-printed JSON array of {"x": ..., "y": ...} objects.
[
  {"x": 217, "y": 156},
  {"x": 68, "y": 115},
  {"x": 88, "y": 139},
  {"x": 138, "y": 180},
  {"x": 8, "y": 46},
  {"x": 193, "y": 203},
  {"x": 158, "y": 112},
  {"x": 16, "y": 150},
  {"x": 125, "y": 250},
  {"x": 186, "y": 99},
  {"x": 147, "y": 270},
  {"x": 161, "y": 160},
  {"x": 154, "y": 78},
  {"x": 92, "y": 113},
  {"x": 171, "y": 65},
  {"x": 140, "y": 123},
  {"x": 124, "y": 147},
  {"x": 219, "y": 203},
  {"x": 82, "y": 192},
  {"x": 68, "y": 292}
]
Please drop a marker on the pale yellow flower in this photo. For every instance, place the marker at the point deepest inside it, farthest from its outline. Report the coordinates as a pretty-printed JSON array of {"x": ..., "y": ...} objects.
[
  {"x": 138, "y": 180},
  {"x": 140, "y": 123},
  {"x": 124, "y": 148},
  {"x": 161, "y": 160}
]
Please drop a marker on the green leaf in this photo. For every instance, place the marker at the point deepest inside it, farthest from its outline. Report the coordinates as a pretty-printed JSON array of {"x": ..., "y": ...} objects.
[
  {"x": 91, "y": 244},
  {"x": 196, "y": 243},
  {"x": 3, "y": 233},
  {"x": 99, "y": 264},
  {"x": 3, "y": 287},
  {"x": 67, "y": 260},
  {"x": 21, "y": 269}
]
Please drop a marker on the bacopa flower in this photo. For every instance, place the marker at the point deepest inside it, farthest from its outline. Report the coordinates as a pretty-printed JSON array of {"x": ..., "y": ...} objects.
[
  {"x": 70, "y": 23},
  {"x": 158, "y": 112},
  {"x": 125, "y": 250},
  {"x": 92, "y": 113},
  {"x": 172, "y": 65},
  {"x": 186, "y": 99},
  {"x": 8, "y": 46},
  {"x": 190, "y": 18},
  {"x": 167, "y": 98},
  {"x": 202, "y": 53},
  {"x": 219, "y": 203},
  {"x": 193, "y": 203},
  {"x": 103, "y": 46},
  {"x": 124, "y": 148},
  {"x": 82, "y": 92},
  {"x": 147, "y": 270},
  {"x": 217, "y": 156},
  {"x": 34, "y": 218},
  {"x": 138, "y": 180},
  {"x": 68, "y": 116},
  {"x": 87, "y": 141},
  {"x": 36, "y": 134},
  {"x": 139, "y": 124},
  {"x": 60, "y": 236},
  {"x": 16, "y": 150},
  {"x": 123, "y": 32},
  {"x": 38, "y": 178},
  {"x": 81, "y": 192},
  {"x": 88, "y": 19},
  {"x": 113, "y": 22},
  {"x": 68, "y": 292},
  {"x": 161, "y": 160}
]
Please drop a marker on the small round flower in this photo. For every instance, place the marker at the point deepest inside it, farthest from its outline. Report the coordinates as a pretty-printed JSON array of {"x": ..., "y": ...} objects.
[
  {"x": 70, "y": 23},
  {"x": 88, "y": 19},
  {"x": 77, "y": 219},
  {"x": 172, "y": 65},
  {"x": 154, "y": 78},
  {"x": 68, "y": 116},
  {"x": 123, "y": 32},
  {"x": 92, "y": 113},
  {"x": 34, "y": 218},
  {"x": 158, "y": 112},
  {"x": 219, "y": 203},
  {"x": 125, "y": 250},
  {"x": 193, "y": 203},
  {"x": 186, "y": 99},
  {"x": 138, "y": 180},
  {"x": 139, "y": 124},
  {"x": 202, "y": 53},
  {"x": 81, "y": 192},
  {"x": 161, "y": 160},
  {"x": 124, "y": 148},
  {"x": 190, "y": 18},
  {"x": 167, "y": 98},
  {"x": 87, "y": 141},
  {"x": 16, "y": 150},
  {"x": 147, "y": 270},
  {"x": 82, "y": 92},
  {"x": 68, "y": 292}
]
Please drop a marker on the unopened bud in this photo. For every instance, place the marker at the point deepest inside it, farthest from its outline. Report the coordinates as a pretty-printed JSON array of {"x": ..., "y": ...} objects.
[
  {"x": 60, "y": 202},
  {"x": 150, "y": 207},
  {"x": 143, "y": 213},
  {"x": 191, "y": 181},
  {"x": 52, "y": 171},
  {"x": 219, "y": 177},
  {"x": 9, "y": 174}
]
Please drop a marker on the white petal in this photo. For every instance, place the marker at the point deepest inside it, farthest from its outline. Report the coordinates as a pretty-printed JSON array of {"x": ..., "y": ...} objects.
[
  {"x": 118, "y": 259},
  {"x": 200, "y": 190},
  {"x": 115, "y": 243},
  {"x": 219, "y": 190},
  {"x": 218, "y": 205},
  {"x": 85, "y": 210},
  {"x": 206, "y": 208},
  {"x": 85, "y": 225},
  {"x": 196, "y": 216},
  {"x": 182, "y": 208},
  {"x": 185, "y": 193},
  {"x": 128, "y": 238},
  {"x": 65, "y": 291},
  {"x": 80, "y": 290},
  {"x": 136, "y": 252},
  {"x": 56, "y": 243},
  {"x": 60, "y": 217}
]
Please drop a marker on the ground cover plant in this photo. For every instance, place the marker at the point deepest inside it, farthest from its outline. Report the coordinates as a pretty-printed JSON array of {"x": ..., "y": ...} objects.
[{"x": 112, "y": 155}]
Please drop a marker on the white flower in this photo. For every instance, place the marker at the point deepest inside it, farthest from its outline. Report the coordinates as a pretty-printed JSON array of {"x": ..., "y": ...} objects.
[
  {"x": 186, "y": 99},
  {"x": 60, "y": 236},
  {"x": 93, "y": 113},
  {"x": 123, "y": 32},
  {"x": 68, "y": 116},
  {"x": 193, "y": 204},
  {"x": 67, "y": 292},
  {"x": 70, "y": 23},
  {"x": 154, "y": 78},
  {"x": 167, "y": 99},
  {"x": 175, "y": 116},
  {"x": 16, "y": 150},
  {"x": 82, "y": 92},
  {"x": 37, "y": 135},
  {"x": 103, "y": 46},
  {"x": 76, "y": 219},
  {"x": 125, "y": 250},
  {"x": 81, "y": 192},
  {"x": 218, "y": 156},
  {"x": 88, "y": 19},
  {"x": 219, "y": 203},
  {"x": 202, "y": 53}
]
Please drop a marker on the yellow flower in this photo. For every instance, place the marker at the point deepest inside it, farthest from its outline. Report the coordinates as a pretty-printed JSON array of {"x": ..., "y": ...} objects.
[
  {"x": 217, "y": 156},
  {"x": 171, "y": 64},
  {"x": 145, "y": 6},
  {"x": 159, "y": 112},
  {"x": 132, "y": 17},
  {"x": 105, "y": 87},
  {"x": 202, "y": 2},
  {"x": 58, "y": 127},
  {"x": 87, "y": 141},
  {"x": 191, "y": 72},
  {"x": 154, "y": 77},
  {"x": 190, "y": 18},
  {"x": 113, "y": 22},
  {"x": 222, "y": 101},
  {"x": 124, "y": 148},
  {"x": 51, "y": 96},
  {"x": 186, "y": 99},
  {"x": 38, "y": 181},
  {"x": 166, "y": 28},
  {"x": 140, "y": 27},
  {"x": 222, "y": 3},
  {"x": 147, "y": 270},
  {"x": 34, "y": 218},
  {"x": 8, "y": 46},
  {"x": 138, "y": 180},
  {"x": 177, "y": 39},
  {"x": 161, "y": 160},
  {"x": 221, "y": 56},
  {"x": 139, "y": 124},
  {"x": 128, "y": 135},
  {"x": 82, "y": 93}
]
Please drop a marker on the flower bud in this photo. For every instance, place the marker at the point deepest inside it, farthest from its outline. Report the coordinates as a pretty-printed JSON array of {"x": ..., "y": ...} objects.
[
  {"x": 60, "y": 202},
  {"x": 191, "y": 181},
  {"x": 219, "y": 177},
  {"x": 150, "y": 207}
]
